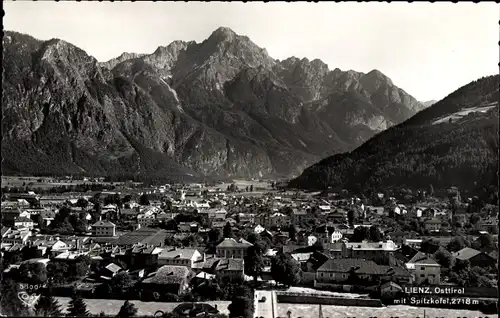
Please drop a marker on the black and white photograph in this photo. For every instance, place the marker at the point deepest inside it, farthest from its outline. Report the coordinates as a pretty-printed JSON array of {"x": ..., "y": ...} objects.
[{"x": 249, "y": 160}]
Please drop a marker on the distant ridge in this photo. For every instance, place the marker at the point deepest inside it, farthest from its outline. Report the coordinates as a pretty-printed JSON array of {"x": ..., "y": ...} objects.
[{"x": 222, "y": 107}]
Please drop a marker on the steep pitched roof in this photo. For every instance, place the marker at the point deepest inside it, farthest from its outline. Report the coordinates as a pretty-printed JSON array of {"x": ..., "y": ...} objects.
[
  {"x": 466, "y": 253},
  {"x": 168, "y": 275},
  {"x": 229, "y": 264},
  {"x": 113, "y": 268},
  {"x": 103, "y": 223},
  {"x": 346, "y": 264},
  {"x": 391, "y": 284},
  {"x": 4, "y": 230},
  {"x": 177, "y": 253},
  {"x": 23, "y": 219},
  {"x": 423, "y": 259},
  {"x": 230, "y": 242}
]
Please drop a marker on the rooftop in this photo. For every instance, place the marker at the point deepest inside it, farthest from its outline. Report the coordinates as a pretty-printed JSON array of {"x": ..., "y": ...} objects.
[
  {"x": 144, "y": 236},
  {"x": 346, "y": 264},
  {"x": 168, "y": 275},
  {"x": 103, "y": 224},
  {"x": 466, "y": 253},
  {"x": 230, "y": 242},
  {"x": 177, "y": 253},
  {"x": 422, "y": 259}
]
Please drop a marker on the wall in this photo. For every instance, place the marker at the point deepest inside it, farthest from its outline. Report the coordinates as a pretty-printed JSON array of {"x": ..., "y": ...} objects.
[
  {"x": 427, "y": 271},
  {"x": 325, "y": 300}
]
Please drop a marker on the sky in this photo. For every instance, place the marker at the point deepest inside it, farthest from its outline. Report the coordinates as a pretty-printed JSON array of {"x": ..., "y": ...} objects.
[{"x": 427, "y": 49}]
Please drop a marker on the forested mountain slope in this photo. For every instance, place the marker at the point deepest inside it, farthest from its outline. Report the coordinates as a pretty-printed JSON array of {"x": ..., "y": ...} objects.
[{"x": 452, "y": 143}]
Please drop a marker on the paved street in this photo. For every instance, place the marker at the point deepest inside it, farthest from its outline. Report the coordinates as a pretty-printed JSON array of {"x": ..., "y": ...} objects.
[{"x": 266, "y": 309}]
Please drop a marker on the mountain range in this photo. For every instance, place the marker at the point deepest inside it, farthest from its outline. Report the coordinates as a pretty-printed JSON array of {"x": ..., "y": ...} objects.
[
  {"x": 452, "y": 143},
  {"x": 222, "y": 107},
  {"x": 429, "y": 103}
]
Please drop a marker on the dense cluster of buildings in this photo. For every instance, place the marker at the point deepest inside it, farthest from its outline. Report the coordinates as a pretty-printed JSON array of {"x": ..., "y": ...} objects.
[{"x": 396, "y": 256}]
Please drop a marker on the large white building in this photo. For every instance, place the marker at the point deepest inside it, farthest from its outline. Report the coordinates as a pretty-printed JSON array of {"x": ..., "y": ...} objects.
[
  {"x": 103, "y": 228},
  {"x": 231, "y": 248},
  {"x": 180, "y": 257}
]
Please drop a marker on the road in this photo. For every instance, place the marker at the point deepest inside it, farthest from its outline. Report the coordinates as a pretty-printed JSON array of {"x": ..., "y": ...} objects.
[{"x": 268, "y": 308}]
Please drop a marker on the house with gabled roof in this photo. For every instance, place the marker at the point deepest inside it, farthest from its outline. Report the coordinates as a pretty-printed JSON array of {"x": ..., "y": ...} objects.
[
  {"x": 179, "y": 257},
  {"x": 24, "y": 222},
  {"x": 390, "y": 290},
  {"x": 103, "y": 228},
  {"x": 5, "y": 230},
  {"x": 424, "y": 269},
  {"x": 232, "y": 267},
  {"x": 433, "y": 224},
  {"x": 335, "y": 271},
  {"x": 168, "y": 279},
  {"x": 110, "y": 270},
  {"x": 231, "y": 248},
  {"x": 475, "y": 257}
]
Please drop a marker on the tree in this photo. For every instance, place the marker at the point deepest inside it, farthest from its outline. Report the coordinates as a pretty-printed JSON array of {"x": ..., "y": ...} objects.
[
  {"x": 127, "y": 310},
  {"x": 242, "y": 303},
  {"x": 461, "y": 265},
  {"x": 58, "y": 272},
  {"x": 32, "y": 273},
  {"x": 474, "y": 218},
  {"x": 360, "y": 234},
  {"x": 375, "y": 234},
  {"x": 127, "y": 198},
  {"x": 78, "y": 222},
  {"x": 485, "y": 241},
  {"x": 429, "y": 246},
  {"x": 351, "y": 217},
  {"x": 254, "y": 261},
  {"x": 353, "y": 277},
  {"x": 192, "y": 240},
  {"x": 457, "y": 243},
  {"x": 121, "y": 284},
  {"x": 10, "y": 303},
  {"x": 431, "y": 190},
  {"x": 318, "y": 246},
  {"x": 144, "y": 199},
  {"x": 213, "y": 235},
  {"x": 48, "y": 306},
  {"x": 251, "y": 188},
  {"x": 96, "y": 215},
  {"x": 292, "y": 233},
  {"x": 77, "y": 307},
  {"x": 82, "y": 203},
  {"x": 227, "y": 231},
  {"x": 285, "y": 270},
  {"x": 444, "y": 258}
]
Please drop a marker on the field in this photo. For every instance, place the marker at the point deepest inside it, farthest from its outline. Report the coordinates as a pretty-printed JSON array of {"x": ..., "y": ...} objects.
[
  {"x": 465, "y": 112},
  {"x": 311, "y": 291},
  {"x": 43, "y": 182},
  {"x": 312, "y": 311},
  {"x": 112, "y": 306}
]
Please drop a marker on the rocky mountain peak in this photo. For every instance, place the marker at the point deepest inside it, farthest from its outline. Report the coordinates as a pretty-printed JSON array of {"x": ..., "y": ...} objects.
[
  {"x": 223, "y": 34},
  {"x": 173, "y": 48},
  {"x": 378, "y": 77},
  {"x": 319, "y": 63},
  {"x": 117, "y": 60}
]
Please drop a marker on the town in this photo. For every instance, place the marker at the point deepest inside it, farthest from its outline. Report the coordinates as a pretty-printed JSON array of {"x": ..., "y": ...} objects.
[{"x": 91, "y": 247}]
